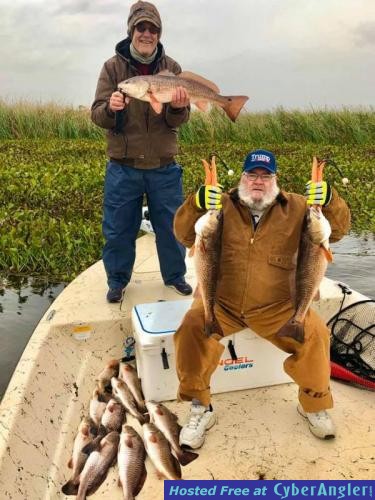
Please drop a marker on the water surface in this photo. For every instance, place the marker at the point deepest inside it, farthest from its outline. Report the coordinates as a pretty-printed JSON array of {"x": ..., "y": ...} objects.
[{"x": 23, "y": 301}]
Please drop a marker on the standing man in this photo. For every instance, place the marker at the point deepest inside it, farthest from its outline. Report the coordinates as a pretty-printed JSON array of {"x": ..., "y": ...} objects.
[
  {"x": 141, "y": 146},
  {"x": 262, "y": 228}
]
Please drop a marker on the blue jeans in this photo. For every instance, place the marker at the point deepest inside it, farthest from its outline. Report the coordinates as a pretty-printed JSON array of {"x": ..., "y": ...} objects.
[{"x": 124, "y": 188}]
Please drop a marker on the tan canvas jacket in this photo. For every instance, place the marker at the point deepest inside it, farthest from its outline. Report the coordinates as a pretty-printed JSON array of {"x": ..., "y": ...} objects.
[{"x": 256, "y": 265}]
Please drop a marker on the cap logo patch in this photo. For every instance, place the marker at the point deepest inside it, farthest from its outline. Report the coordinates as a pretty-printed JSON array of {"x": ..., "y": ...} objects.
[{"x": 259, "y": 157}]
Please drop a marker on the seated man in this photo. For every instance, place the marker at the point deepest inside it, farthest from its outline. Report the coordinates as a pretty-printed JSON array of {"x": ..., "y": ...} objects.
[{"x": 260, "y": 237}]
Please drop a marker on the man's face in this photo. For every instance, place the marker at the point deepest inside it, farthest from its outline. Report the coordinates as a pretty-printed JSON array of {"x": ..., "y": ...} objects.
[
  {"x": 258, "y": 187},
  {"x": 145, "y": 38}
]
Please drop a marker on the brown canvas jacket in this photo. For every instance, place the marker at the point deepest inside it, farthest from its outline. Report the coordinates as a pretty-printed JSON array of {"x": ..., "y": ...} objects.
[
  {"x": 256, "y": 266},
  {"x": 148, "y": 139}
]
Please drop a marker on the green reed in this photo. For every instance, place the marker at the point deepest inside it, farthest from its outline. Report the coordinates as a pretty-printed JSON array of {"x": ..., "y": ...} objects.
[{"x": 26, "y": 120}]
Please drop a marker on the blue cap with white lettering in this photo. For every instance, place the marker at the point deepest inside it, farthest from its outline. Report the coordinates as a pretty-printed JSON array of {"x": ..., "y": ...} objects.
[{"x": 260, "y": 158}]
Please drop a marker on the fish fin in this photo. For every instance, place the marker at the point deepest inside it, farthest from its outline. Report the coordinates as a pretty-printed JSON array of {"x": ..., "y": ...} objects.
[
  {"x": 202, "y": 105},
  {"x": 145, "y": 418},
  {"x": 293, "y": 329},
  {"x": 102, "y": 431},
  {"x": 129, "y": 442},
  {"x": 155, "y": 104},
  {"x": 159, "y": 475},
  {"x": 233, "y": 105},
  {"x": 85, "y": 431},
  {"x": 142, "y": 408},
  {"x": 90, "y": 447},
  {"x": 141, "y": 481},
  {"x": 317, "y": 296},
  {"x": 113, "y": 363},
  {"x": 201, "y": 246},
  {"x": 70, "y": 463},
  {"x": 328, "y": 253},
  {"x": 176, "y": 466},
  {"x": 191, "y": 251},
  {"x": 165, "y": 72},
  {"x": 189, "y": 75},
  {"x": 71, "y": 487},
  {"x": 185, "y": 457}
]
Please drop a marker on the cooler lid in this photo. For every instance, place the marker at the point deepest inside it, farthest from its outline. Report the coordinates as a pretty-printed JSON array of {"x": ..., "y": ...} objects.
[{"x": 160, "y": 318}]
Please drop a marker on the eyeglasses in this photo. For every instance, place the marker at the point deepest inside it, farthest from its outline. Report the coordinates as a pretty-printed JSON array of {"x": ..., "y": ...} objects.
[
  {"x": 250, "y": 176},
  {"x": 142, "y": 27}
]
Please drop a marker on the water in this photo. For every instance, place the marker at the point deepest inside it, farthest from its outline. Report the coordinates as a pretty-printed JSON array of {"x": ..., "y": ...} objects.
[{"x": 24, "y": 301}]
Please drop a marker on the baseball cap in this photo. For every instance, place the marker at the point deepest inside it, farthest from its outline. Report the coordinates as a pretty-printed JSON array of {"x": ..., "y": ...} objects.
[{"x": 260, "y": 158}]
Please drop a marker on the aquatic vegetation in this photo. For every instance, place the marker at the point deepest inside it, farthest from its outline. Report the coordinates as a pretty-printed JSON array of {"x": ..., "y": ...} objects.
[{"x": 51, "y": 188}]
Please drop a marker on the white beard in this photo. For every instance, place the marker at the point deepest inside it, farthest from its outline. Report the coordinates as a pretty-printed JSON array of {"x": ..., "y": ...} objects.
[{"x": 268, "y": 198}]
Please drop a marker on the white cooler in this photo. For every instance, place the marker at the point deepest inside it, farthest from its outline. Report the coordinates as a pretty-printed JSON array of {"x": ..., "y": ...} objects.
[{"x": 247, "y": 361}]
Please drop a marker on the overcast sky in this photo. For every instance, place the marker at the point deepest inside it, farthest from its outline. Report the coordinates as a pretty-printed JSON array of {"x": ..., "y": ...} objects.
[{"x": 290, "y": 53}]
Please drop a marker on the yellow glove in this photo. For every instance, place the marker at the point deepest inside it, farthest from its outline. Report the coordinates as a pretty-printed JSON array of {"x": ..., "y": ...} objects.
[
  {"x": 318, "y": 193},
  {"x": 209, "y": 197}
]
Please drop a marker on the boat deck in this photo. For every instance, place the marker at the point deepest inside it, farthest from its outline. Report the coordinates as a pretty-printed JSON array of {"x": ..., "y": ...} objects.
[{"x": 259, "y": 432}]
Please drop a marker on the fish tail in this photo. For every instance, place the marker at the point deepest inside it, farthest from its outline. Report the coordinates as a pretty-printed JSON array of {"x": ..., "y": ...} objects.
[
  {"x": 143, "y": 419},
  {"x": 185, "y": 457},
  {"x": 293, "y": 329},
  {"x": 71, "y": 487},
  {"x": 233, "y": 105}
]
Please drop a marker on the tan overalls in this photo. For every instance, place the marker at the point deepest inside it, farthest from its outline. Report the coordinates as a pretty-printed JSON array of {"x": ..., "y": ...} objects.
[{"x": 254, "y": 291}]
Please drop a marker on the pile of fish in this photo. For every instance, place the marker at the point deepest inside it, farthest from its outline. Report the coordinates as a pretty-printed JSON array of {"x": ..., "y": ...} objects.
[{"x": 104, "y": 437}]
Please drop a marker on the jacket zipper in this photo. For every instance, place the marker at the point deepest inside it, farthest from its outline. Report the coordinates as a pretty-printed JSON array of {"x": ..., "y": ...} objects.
[{"x": 249, "y": 254}]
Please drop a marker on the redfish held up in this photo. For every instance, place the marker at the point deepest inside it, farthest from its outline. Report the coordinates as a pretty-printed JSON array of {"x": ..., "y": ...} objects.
[
  {"x": 158, "y": 89},
  {"x": 207, "y": 250},
  {"x": 313, "y": 256}
]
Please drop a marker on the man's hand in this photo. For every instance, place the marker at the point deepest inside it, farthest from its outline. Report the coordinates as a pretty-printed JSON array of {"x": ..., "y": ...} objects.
[
  {"x": 209, "y": 197},
  {"x": 180, "y": 98},
  {"x": 318, "y": 193},
  {"x": 118, "y": 101}
]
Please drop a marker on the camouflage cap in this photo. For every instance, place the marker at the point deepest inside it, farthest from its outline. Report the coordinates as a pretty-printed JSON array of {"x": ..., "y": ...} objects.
[{"x": 143, "y": 11}]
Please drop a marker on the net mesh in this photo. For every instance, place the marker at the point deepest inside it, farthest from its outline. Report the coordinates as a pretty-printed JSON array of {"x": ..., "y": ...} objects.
[{"x": 353, "y": 338}]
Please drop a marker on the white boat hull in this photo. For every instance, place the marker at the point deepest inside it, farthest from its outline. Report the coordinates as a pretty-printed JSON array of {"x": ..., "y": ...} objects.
[{"x": 259, "y": 430}]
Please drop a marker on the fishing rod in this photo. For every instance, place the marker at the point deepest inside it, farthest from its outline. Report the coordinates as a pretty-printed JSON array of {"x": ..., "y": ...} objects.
[
  {"x": 230, "y": 172},
  {"x": 329, "y": 161}
]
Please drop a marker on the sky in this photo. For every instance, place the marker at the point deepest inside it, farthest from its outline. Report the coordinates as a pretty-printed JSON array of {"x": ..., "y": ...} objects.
[{"x": 298, "y": 54}]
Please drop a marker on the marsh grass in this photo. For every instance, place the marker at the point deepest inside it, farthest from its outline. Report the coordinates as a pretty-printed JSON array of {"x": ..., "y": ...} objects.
[
  {"x": 52, "y": 162},
  {"x": 26, "y": 120},
  {"x": 51, "y": 194}
]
